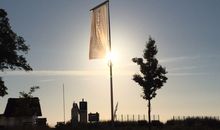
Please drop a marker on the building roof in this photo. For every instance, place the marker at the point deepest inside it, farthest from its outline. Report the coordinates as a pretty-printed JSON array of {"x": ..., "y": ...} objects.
[{"x": 17, "y": 107}]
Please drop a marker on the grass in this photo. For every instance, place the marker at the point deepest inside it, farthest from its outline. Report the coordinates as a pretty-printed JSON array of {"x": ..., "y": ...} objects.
[{"x": 186, "y": 124}]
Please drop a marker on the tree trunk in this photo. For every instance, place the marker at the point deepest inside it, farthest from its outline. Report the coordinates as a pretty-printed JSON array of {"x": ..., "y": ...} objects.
[{"x": 149, "y": 115}]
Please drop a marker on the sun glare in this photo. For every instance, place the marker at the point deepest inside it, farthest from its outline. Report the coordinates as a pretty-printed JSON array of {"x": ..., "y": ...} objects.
[{"x": 111, "y": 56}]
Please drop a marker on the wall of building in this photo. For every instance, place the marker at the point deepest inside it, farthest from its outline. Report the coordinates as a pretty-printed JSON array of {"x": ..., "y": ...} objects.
[{"x": 16, "y": 121}]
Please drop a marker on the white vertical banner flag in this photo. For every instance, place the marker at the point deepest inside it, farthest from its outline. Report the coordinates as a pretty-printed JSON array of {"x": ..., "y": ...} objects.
[{"x": 99, "y": 37}]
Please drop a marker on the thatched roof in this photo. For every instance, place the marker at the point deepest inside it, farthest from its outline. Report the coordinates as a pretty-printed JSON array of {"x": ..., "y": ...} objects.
[{"x": 17, "y": 107}]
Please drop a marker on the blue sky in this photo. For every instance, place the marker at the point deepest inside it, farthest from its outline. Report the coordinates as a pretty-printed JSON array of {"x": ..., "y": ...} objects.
[{"x": 188, "y": 39}]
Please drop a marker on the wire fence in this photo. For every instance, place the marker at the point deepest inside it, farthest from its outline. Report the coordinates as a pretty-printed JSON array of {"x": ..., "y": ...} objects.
[
  {"x": 143, "y": 117},
  {"x": 127, "y": 117},
  {"x": 199, "y": 117}
]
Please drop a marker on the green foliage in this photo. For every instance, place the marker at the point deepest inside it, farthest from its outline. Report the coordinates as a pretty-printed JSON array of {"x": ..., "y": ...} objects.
[
  {"x": 29, "y": 94},
  {"x": 11, "y": 48},
  {"x": 3, "y": 88},
  {"x": 152, "y": 75}
]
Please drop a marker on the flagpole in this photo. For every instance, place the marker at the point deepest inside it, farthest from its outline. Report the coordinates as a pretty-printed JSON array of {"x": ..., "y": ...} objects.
[
  {"x": 111, "y": 93},
  {"x": 64, "y": 120},
  {"x": 94, "y": 54},
  {"x": 110, "y": 67}
]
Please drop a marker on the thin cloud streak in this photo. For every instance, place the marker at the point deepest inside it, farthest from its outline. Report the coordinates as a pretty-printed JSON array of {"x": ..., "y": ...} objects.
[
  {"x": 187, "y": 74},
  {"x": 53, "y": 73},
  {"x": 181, "y": 58},
  {"x": 184, "y": 68},
  {"x": 46, "y": 80},
  {"x": 67, "y": 73},
  {"x": 175, "y": 59},
  {"x": 86, "y": 73}
]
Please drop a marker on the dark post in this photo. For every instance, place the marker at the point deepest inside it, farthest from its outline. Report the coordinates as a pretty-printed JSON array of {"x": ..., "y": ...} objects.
[
  {"x": 111, "y": 79},
  {"x": 111, "y": 92},
  {"x": 149, "y": 118},
  {"x": 64, "y": 120}
]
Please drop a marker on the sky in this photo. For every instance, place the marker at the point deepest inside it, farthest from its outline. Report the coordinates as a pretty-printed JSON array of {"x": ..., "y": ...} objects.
[{"x": 187, "y": 35}]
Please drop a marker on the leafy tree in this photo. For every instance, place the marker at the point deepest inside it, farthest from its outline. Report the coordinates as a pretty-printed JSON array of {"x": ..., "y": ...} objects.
[
  {"x": 29, "y": 94},
  {"x": 3, "y": 88},
  {"x": 12, "y": 47},
  {"x": 152, "y": 75}
]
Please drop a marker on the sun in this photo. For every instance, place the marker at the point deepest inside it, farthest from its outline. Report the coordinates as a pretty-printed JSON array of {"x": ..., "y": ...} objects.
[{"x": 111, "y": 56}]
